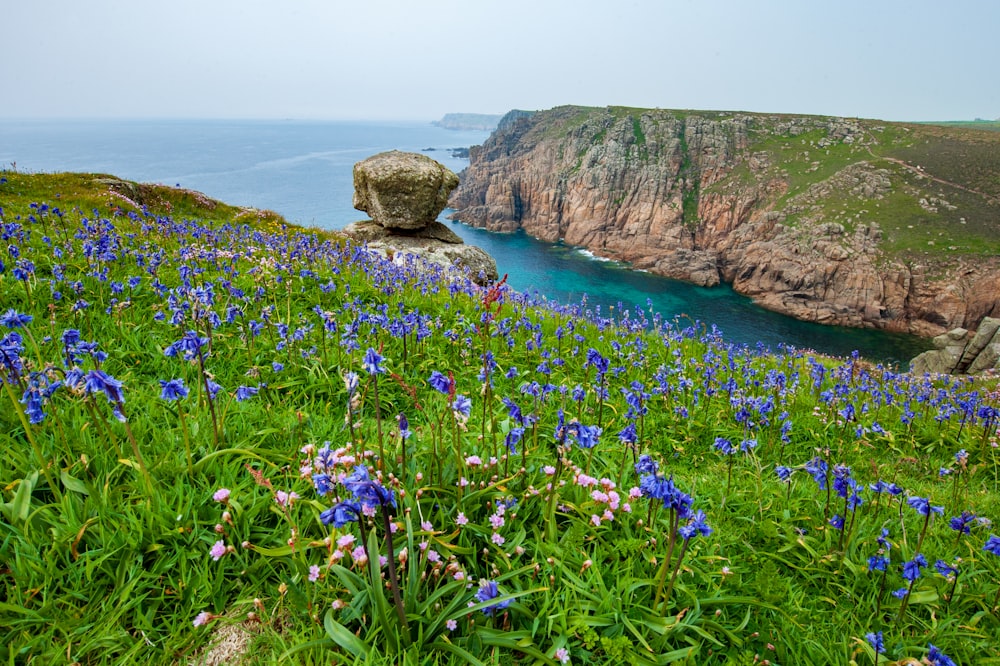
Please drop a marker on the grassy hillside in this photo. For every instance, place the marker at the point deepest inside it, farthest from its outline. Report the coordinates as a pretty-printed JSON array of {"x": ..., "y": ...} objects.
[{"x": 216, "y": 424}]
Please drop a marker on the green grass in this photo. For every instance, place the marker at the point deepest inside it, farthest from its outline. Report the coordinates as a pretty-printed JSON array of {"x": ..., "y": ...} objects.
[{"x": 107, "y": 527}]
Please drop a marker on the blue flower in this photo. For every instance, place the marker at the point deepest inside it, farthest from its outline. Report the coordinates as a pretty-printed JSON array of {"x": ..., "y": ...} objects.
[
  {"x": 784, "y": 473},
  {"x": 98, "y": 381},
  {"x": 724, "y": 446},
  {"x": 992, "y": 545},
  {"x": 372, "y": 362},
  {"x": 439, "y": 382},
  {"x": 646, "y": 465},
  {"x": 462, "y": 406},
  {"x": 901, "y": 592},
  {"x": 938, "y": 658},
  {"x": 877, "y": 563},
  {"x": 875, "y": 640},
  {"x": 404, "y": 427},
  {"x": 488, "y": 590},
  {"x": 513, "y": 437},
  {"x": 173, "y": 389},
  {"x": 911, "y": 569},
  {"x": 323, "y": 483},
  {"x": 341, "y": 514},
  {"x": 696, "y": 525},
  {"x": 922, "y": 505},
  {"x": 962, "y": 523},
  {"x": 14, "y": 319},
  {"x": 246, "y": 392},
  {"x": 189, "y": 346},
  {"x": 837, "y": 522},
  {"x": 945, "y": 569}
]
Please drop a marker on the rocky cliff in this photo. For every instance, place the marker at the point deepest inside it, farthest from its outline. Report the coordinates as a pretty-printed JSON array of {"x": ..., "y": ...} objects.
[{"x": 841, "y": 221}]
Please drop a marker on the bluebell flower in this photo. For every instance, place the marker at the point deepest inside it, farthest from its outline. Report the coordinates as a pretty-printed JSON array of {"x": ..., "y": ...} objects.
[
  {"x": 323, "y": 483},
  {"x": 646, "y": 465},
  {"x": 696, "y": 525},
  {"x": 922, "y": 505},
  {"x": 945, "y": 569},
  {"x": 962, "y": 523},
  {"x": 372, "y": 362},
  {"x": 246, "y": 392},
  {"x": 992, "y": 545},
  {"x": 784, "y": 473},
  {"x": 341, "y": 514},
  {"x": 876, "y": 641},
  {"x": 14, "y": 319},
  {"x": 513, "y": 437},
  {"x": 98, "y": 381},
  {"x": 173, "y": 389},
  {"x": 488, "y": 590},
  {"x": 837, "y": 522},
  {"x": 878, "y": 563},
  {"x": 462, "y": 406},
  {"x": 817, "y": 468},
  {"x": 628, "y": 434},
  {"x": 938, "y": 658},
  {"x": 911, "y": 568},
  {"x": 404, "y": 427},
  {"x": 439, "y": 382},
  {"x": 724, "y": 446},
  {"x": 901, "y": 592},
  {"x": 213, "y": 389}
]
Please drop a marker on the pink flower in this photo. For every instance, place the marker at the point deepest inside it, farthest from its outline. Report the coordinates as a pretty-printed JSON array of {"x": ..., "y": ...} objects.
[
  {"x": 585, "y": 481},
  {"x": 285, "y": 499},
  {"x": 359, "y": 556},
  {"x": 562, "y": 654},
  {"x": 313, "y": 573},
  {"x": 497, "y": 521},
  {"x": 218, "y": 550},
  {"x": 202, "y": 618},
  {"x": 497, "y": 539},
  {"x": 596, "y": 520},
  {"x": 432, "y": 556},
  {"x": 451, "y": 625},
  {"x": 426, "y": 526},
  {"x": 221, "y": 495},
  {"x": 549, "y": 470},
  {"x": 345, "y": 541},
  {"x": 461, "y": 519},
  {"x": 472, "y": 461}
]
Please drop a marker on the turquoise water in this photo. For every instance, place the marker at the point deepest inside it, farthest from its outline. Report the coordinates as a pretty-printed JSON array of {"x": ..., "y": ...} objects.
[{"x": 303, "y": 170}]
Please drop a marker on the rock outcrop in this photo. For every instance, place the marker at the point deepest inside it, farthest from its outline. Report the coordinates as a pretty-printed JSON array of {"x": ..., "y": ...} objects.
[
  {"x": 404, "y": 193},
  {"x": 956, "y": 353},
  {"x": 804, "y": 214}
]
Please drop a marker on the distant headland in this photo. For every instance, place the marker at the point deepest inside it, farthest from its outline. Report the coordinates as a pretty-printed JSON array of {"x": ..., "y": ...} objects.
[{"x": 485, "y": 122}]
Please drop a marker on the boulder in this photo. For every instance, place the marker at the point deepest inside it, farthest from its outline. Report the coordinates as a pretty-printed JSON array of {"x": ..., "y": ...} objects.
[
  {"x": 436, "y": 244},
  {"x": 402, "y": 190},
  {"x": 956, "y": 353}
]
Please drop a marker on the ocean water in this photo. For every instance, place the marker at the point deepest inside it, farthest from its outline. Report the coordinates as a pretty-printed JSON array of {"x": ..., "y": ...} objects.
[{"x": 303, "y": 170}]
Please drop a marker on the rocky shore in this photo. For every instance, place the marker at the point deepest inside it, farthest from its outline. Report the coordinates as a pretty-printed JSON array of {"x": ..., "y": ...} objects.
[{"x": 823, "y": 219}]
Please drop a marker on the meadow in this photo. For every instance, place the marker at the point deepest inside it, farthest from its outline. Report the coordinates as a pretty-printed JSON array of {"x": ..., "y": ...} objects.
[{"x": 232, "y": 440}]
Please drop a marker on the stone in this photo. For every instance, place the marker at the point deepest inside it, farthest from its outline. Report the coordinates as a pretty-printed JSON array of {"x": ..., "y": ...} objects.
[
  {"x": 402, "y": 190},
  {"x": 435, "y": 244}
]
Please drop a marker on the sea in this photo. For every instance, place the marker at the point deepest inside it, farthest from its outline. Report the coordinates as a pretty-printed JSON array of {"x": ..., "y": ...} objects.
[{"x": 303, "y": 170}]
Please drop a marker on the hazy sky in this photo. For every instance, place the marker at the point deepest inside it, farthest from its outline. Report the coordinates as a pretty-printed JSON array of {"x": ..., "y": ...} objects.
[{"x": 419, "y": 59}]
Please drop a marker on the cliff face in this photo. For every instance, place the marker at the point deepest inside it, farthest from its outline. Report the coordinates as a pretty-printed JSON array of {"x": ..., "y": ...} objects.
[{"x": 848, "y": 222}]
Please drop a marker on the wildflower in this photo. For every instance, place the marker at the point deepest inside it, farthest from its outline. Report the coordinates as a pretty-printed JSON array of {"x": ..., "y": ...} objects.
[
  {"x": 189, "y": 346},
  {"x": 218, "y": 550},
  {"x": 341, "y": 513},
  {"x": 462, "y": 406},
  {"x": 285, "y": 498},
  {"x": 404, "y": 427},
  {"x": 992, "y": 545},
  {"x": 439, "y": 382},
  {"x": 461, "y": 519},
  {"x": 876, "y": 641},
  {"x": 513, "y": 437},
  {"x": 945, "y": 569},
  {"x": 372, "y": 362},
  {"x": 313, "y": 573},
  {"x": 748, "y": 445},
  {"x": 14, "y": 319},
  {"x": 962, "y": 523},
  {"x": 246, "y": 392},
  {"x": 878, "y": 563},
  {"x": 646, "y": 465},
  {"x": 784, "y": 473},
  {"x": 562, "y": 655},
  {"x": 901, "y": 592},
  {"x": 221, "y": 495},
  {"x": 202, "y": 618},
  {"x": 938, "y": 658},
  {"x": 911, "y": 569},
  {"x": 922, "y": 505},
  {"x": 724, "y": 446},
  {"x": 173, "y": 389},
  {"x": 451, "y": 625},
  {"x": 695, "y": 526},
  {"x": 837, "y": 522},
  {"x": 488, "y": 590},
  {"x": 98, "y": 381}
]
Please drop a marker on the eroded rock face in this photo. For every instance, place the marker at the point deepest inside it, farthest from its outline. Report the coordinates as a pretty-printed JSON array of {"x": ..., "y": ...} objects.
[
  {"x": 688, "y": 196},
  {"x": 402, "y": 190},
  {"x": 955, "y": 352}
]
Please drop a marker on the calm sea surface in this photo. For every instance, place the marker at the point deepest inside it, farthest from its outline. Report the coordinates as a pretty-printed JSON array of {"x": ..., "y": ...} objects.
[{"x": 303, "y": 170}]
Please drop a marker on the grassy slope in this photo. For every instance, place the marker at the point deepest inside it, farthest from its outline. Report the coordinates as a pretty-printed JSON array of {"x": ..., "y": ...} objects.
[{"x": 96, "y": 569}]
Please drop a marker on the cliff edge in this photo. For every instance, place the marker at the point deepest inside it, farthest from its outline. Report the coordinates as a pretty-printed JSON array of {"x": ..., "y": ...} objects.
[{"x": 840, "y": 221}]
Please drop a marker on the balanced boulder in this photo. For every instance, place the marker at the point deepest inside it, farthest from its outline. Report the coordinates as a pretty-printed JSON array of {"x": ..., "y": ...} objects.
[{"x": 402, "y": 190}]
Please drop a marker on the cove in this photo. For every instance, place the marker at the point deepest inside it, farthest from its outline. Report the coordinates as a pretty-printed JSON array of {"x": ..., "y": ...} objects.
[{"x": 566, "y": 274}]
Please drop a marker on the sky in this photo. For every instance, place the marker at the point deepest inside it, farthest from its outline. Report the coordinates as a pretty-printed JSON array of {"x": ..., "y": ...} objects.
[{"x": 420, "y": 59}]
